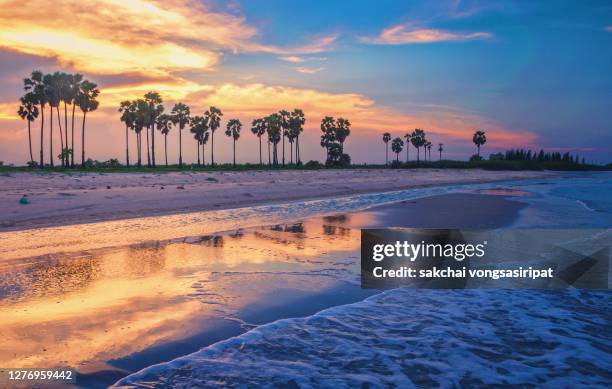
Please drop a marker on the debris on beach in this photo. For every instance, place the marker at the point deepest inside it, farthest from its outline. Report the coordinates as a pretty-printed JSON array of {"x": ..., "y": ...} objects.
[{"x": 24, "y": 200}]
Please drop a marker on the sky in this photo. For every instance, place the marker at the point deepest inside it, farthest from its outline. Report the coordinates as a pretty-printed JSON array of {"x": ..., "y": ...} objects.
[{"x": 531, "y": 74}]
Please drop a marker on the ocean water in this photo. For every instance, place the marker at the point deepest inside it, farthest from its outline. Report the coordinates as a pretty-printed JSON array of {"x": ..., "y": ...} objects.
[{"x": 414, "y": 338}]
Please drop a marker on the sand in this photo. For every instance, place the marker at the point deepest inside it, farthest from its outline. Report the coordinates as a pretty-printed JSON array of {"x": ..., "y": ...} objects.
[{"x": 72, "y": 198}]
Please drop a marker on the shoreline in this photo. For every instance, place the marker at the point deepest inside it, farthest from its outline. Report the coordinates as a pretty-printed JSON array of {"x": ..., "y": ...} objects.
[{"x": 92, "y": 198}]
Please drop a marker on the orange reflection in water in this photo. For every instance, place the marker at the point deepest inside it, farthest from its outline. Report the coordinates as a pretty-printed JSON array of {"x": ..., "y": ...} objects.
[{"x": 82, "y": 309}]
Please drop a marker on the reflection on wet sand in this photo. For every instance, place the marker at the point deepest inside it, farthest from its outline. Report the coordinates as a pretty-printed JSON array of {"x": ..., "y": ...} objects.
[{"x": 86, "y": 308}]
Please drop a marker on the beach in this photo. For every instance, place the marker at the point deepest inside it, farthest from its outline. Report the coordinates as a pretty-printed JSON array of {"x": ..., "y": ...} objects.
[{"x": 71, "y": 198}]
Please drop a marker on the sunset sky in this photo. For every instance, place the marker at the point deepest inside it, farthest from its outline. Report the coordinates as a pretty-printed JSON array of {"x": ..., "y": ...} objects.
[{"x": 532, "y": 74}]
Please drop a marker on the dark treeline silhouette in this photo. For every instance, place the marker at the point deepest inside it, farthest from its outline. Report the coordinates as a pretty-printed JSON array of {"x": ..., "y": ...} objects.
[
  {"x": 541, "y": 156},
  {"x": 334, "y": 134}
]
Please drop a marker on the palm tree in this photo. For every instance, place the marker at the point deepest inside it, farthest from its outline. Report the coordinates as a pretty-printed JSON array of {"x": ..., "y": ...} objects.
[
  {"x": 428, "y": 145},
  {"x": 284, "y": 124},
  {"x": 440, "y": 149},
  {"x": 128, "y": 116},
  {"x": 155, "y": 109},
  {"x": 64, "y": 84},
  {"x": 214, "y": 121},
  {"x": 258, "y": 128},
  {"x": 51, "y": 97},
  {"x": 273, "y": 124},
  {"x": 73, "y": 89},
  {"x": 343, "y": 130},
  {"x": 297, "y": 122},
  {"x": 86, "y": 100},
  {"x": 29, "y": 111},
  {"x": 35, "y": 85},
  {"x": 180, "y": 116},
  {"x": 199, "y": 125},
  {"x": 479, "y": 139},
  {"x": 164, "y": 125},
  {"x": 386, "y": 138},
  {"x": 139, "y": 124},
  {"x": 407, "y": 137},
  {"x": 328, "y": 138},
  {"x": 397, "y": 145},
  {"x": 417, "y": 138},
  {"x": 233, "y": 130}
]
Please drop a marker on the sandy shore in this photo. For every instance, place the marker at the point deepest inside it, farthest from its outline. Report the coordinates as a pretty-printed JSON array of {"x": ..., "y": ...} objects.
[{"x": 61, "y": 199}]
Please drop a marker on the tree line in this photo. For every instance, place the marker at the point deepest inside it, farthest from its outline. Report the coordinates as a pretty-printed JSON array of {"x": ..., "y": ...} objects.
[{"x": 51, "y": 91}]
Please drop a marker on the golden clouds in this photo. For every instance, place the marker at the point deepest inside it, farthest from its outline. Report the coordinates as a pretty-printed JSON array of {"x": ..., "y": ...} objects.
[
  {"x": 113, "y": 36},
  {"x": 406, "y": 34}
]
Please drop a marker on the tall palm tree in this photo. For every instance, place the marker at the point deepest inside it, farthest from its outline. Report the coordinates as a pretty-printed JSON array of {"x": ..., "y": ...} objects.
[
  {"x": 64, "y": 80},
  {"x": 386, "y": 138},
  {"x": 139, "y": 124},
  {"x": 73, "y": 89},
  {"x": 29, "y": 111},
  {"x": 154, "y": 101},
  {"x": 233, "y": 130},
  {"x": 180, "y": 116},
  {"x": 128, "y": 116},
  {"x": 343, "y": 130},
  {"x": 35, "y": 85},
  {"x": 214, "y": 121},
  {"x": 258, "y": 128},
  {"x": 164, "y": 125},
  {"x": 52, "y": 99},
  {"x": 86, "y": 100},
  {"x": 328, "y": 136},
  {"x": 284, "y": 124},
  {"x": 274, "y": 134},
  {"x": 397, "y": 145},
  {"x": 296, "y": 123},
  {"x": 440, "y": 149},
  {"x": 428, "y": 146},
  {"x": 417, "y": 138},
  {"x": 199, "y": 125},
  {"x": 407, "y": 137},
  {"x": 479, "y": 139}
]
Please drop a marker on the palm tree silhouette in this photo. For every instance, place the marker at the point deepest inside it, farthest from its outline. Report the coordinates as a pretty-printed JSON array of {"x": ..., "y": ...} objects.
[
  {"x": 417, "y": 138},
  {"x": 479, "y": 139},
  {"x": 139, "y": 124},
  {"x": 328, "y": 138},
  {"x": 233, "y": 130},
  {"x": 128, "y": 116},
  {"x": 407, "y": 137},
  {"x": 386, "y": 138},
  {"x": 397, "y": 145},
  {"x": 53, "y": 101},
  {"x": 428, "y": 150},
  {"x": 29, "y": 111},
  {"x": 258, "y": 128},
  {"x": 284, "y": 124},
  {"x": 74, "y": 84},
  {"x": 180, "y": 116},
  {"x": 297, "y": 122},
  {"x": 213, "y": 115},
  {"x": 86, "y": 100},
  {"x": 35, "y": 85},
  {"x": 273, "y": 124},
  {"x": 154, "y": 101},
  {"x": 197, "y": 129},
  {"x": 440, "y": 149},
  {"x": 343, "y": 130},
  {"x": 164, "y": 125}
]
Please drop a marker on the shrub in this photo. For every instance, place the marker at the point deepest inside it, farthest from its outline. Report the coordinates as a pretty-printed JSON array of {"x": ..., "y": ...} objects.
[{"x": 312, "y": 164}]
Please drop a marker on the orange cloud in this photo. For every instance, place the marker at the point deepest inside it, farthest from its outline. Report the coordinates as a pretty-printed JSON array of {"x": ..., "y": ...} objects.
[
  {"x": 405, "y": 34},
  {"x": 292, "y": 58},
  {"x": 308, "y": 70}
]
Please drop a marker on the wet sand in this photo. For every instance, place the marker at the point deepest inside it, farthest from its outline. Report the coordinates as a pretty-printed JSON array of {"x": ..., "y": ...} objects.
[
  {"x": 111, "y": 312},
  {"x": 72, "y": 198}
]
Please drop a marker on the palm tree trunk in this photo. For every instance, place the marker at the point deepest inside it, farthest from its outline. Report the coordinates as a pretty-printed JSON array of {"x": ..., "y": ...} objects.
[
  {"x": 198, "y": 149},
  {"x": 148, "y": 150},
  {"x": 260, "y": 161},
  {"x": 440, "y": 155},
  {"x": 386, "y": 153},
  {"x": 180, "y": 146},
  {"x": 234, "y": 152},
  {"x": 83, "y": 140},
  {"x": 418, "y": 154},
  {"x": 30, "y": 141},
  {"x": 269, "y": 161},
  {"x": 42, "y": 132},
  {"x": 66, "y": 130},
  {"x": 153, "y": 144},
  {"x": 397, "y": 157},
  {"x": 59, "y": 124},
  {"x": 139, "y": 146},
  {"x": 291, "y": 153},
  {"x": 203, "y": 156},
  {"x": 407, "y": 151},
  {"x": 166, "y": 148},
  {"x": 212, "y": 149},
  {"x": 283, "y": 148},
  {"x": 72, "y": 130},
  {"x": 297, "y": 149},
  {"x": 51, "y": 137},
  {"x": 478, "y": 146},
  {"x": 127, "y": 147}
]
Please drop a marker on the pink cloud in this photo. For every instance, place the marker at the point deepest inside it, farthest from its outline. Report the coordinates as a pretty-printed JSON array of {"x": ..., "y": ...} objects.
[{"x": 405, "y": 34}]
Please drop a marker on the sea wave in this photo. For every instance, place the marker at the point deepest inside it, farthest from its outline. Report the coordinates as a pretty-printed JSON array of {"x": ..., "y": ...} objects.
[{"x": 415, "y": 337}]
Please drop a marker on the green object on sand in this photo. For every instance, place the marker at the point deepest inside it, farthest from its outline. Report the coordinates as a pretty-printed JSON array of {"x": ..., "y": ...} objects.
[{"x": 24, "y": 200}]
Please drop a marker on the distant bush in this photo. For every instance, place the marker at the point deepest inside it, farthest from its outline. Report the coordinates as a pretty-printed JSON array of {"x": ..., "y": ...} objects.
[
  {"x": 312, "y": 164},
  {"x": 396, "y": 164},
  {"x": 475, "y": 158}
]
